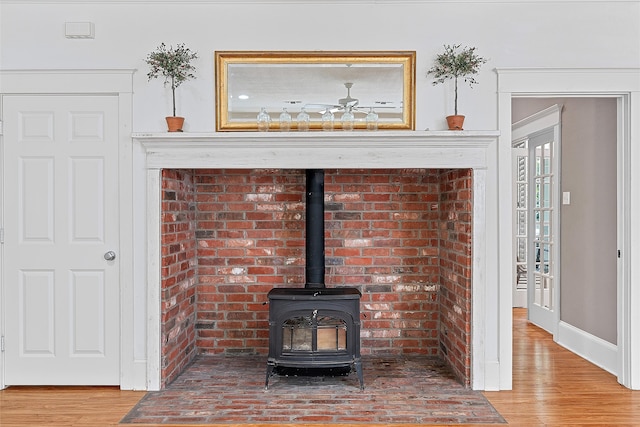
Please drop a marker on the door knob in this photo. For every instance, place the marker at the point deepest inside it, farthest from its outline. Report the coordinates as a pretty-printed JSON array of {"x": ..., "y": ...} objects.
[{"x": 110, "y": 255}]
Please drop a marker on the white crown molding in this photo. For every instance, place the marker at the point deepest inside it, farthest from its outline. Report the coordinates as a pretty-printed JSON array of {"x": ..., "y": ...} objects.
[
  {"x": 340, "y": 2},
  {"x": 524, "y": 81},
  {"x": 72, "y": 81}
]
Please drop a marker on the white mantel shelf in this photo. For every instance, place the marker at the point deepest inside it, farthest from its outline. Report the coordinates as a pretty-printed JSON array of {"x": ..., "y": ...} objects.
[{"x": 359, "y": 149}]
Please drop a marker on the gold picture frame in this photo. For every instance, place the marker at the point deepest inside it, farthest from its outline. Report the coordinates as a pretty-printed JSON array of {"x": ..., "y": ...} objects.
[{"x": 380, "y": 82}]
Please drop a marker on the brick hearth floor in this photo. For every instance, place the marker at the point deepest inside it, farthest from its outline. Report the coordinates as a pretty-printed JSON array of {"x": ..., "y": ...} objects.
[{"x": 226, "y": 389}]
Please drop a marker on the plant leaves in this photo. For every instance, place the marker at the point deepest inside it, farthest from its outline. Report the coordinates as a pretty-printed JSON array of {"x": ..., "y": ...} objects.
[{"x": 174, "y": 64}]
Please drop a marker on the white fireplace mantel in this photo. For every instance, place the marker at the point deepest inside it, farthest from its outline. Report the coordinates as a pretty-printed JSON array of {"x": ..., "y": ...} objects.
[
  {"x": 477, "y": 150},
  {"x": 434, "y": 149}
]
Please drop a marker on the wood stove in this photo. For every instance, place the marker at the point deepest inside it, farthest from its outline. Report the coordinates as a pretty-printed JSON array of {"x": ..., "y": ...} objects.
[{"x": 315, "y": 327}]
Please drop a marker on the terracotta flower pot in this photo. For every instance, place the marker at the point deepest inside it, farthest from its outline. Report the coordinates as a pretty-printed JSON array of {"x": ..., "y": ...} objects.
[
  {"x": 455, "y": 122},
  {"x": 174, "y": 124}
]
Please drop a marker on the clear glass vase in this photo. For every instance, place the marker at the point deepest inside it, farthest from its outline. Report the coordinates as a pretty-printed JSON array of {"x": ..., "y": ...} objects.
[
  {"x": 327, "y": 120},
  {"x": 264, "y": 120},
  {"x": 372, "y": 120},
  {"x": 303, "y": 120},
  {"x": 285, "y": 121},
  {"x": 348, "y": 120}
]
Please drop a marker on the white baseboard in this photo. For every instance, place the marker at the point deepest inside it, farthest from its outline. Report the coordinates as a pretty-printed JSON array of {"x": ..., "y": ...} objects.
[
  {"x": 520, "y": 298},
  {"x": 136, "y": 379},
  {"x": 491, "y": 377},
  {"x": 596, "y": 350}
]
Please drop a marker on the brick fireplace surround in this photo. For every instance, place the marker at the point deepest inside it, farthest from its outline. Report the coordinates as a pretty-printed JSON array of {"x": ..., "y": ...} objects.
[{"x": 232, "y": 231}]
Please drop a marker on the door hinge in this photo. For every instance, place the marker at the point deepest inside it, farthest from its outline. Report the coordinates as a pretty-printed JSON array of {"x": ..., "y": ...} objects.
[
  {"x": 2, "y": 344},
  {"x": 1, "y": 235},
  {"x": 619, "y": 253}
]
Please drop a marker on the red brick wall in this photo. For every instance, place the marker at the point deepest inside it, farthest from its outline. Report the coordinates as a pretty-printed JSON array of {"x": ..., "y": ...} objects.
[
  {"x": 383, "y": 238},
  {"x": 179, "y": 260},
  {"x": 383, "y": 235},
  {"x": 456, "y": 209}
]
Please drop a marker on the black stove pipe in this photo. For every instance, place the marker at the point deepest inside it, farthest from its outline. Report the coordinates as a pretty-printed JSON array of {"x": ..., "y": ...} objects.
[{"x": 314, "y": 243}]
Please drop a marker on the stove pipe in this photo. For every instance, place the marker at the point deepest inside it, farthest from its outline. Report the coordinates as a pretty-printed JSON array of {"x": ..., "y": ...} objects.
[{"x": 314, "y": 243}]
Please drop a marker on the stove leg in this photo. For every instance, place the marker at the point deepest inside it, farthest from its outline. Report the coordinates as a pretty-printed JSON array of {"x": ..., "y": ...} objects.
[
  {"x": 358, "y": 365},
  {"x": 269, "y": 373}
]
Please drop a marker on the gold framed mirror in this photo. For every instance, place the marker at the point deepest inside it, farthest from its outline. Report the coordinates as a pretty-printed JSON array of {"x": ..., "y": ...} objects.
[{"x": 361, "y": 90}]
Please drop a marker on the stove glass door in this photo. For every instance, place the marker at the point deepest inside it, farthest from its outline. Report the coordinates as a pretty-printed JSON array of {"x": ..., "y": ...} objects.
[{"x": 315, "y": 332}]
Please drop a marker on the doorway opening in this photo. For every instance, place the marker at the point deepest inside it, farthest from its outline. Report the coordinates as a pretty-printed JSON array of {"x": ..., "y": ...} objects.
[{"x": 573, "y": 253}]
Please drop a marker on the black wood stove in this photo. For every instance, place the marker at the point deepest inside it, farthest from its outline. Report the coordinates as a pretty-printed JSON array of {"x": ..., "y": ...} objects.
[{"x": 314, "y": 328}]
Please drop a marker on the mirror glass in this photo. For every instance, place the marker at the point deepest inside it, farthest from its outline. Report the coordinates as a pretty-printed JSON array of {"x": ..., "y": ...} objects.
[{"x": 363, "y": 90}]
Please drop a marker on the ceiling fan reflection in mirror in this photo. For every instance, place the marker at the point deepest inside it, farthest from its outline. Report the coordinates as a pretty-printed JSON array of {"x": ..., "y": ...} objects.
[{"x": 348, "y": 104}]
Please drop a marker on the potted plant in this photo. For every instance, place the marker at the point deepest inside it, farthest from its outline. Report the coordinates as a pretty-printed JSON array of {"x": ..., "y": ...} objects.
[
  {"x": 174, "y": 64},
  {"x": 456, "y": 63}
]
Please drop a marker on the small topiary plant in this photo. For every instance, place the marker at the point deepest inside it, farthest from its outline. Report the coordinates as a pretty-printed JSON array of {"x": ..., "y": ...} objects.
[
  {"x": 455, "y": 63},
  {"x": 174, "y": 64}
]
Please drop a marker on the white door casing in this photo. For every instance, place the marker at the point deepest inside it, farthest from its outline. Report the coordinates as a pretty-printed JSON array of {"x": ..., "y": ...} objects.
[
  {"x": 623, "y": 84},
  {"x": 117, "y": 84},
  {"x": 61, "y": 216}
]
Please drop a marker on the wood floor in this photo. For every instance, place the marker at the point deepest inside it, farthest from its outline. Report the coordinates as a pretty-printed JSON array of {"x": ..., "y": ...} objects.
[{"x": 551, "y": 386}]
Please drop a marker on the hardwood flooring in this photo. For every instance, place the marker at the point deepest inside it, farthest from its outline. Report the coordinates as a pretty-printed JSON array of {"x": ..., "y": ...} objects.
[{"x": 551, "y": 386}]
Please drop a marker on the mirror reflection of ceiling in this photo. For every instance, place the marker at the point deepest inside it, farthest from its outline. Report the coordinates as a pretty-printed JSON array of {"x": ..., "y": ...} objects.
[{"x": 314, "y": 86}]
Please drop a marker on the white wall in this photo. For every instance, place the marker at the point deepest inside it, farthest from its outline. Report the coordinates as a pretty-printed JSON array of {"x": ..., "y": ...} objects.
[{"x": 509, "y": 33}]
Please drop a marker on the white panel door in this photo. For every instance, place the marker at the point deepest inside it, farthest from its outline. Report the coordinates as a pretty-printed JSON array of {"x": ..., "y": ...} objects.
[
  {"x": 61, "y": 222},
  {"x": 542, "y": 263}
]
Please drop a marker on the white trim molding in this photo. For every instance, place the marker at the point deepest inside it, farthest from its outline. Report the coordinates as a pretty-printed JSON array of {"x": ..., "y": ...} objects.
[
  {"x": 392, "y": 149},
  {"x": 66, "y": 81},
  {"x": 315, "y": 2},
  {"x": 596, "y": 350},
  {"x": 623, "y": 84},
  {"x": 546, "y": 82},
  {"x": 541, "y": 120}
]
